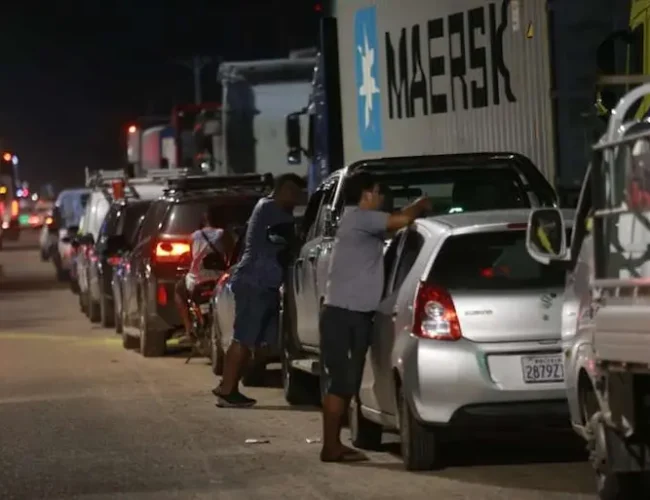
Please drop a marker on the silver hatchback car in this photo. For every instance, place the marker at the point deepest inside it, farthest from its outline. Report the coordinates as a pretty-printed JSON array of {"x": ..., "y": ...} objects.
[{"x": 467, "y": 335}]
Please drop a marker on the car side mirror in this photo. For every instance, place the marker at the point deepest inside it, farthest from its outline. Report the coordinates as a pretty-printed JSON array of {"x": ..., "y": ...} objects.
[
  {"x": 546, "y": 236},
  {"x": 294, "y": 155}
]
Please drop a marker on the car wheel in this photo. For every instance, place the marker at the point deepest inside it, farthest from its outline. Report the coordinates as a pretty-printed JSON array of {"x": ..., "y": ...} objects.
[
  {"x": 256, "y": 375},
  {"x": 299, "y": 388},
  {"x": 119, "y": 324},
  {"x": 106, "y": 312},
  {"x": 94, "y": 310},
  {"x": 152, "y": 343},
  {"x": 364, "y": 433},
  {"x": 83, "y": 303},
  {"x": 419, "y": 444},
  {"x": 216, "y": 351},
  {"x": 44, "y": 256}
]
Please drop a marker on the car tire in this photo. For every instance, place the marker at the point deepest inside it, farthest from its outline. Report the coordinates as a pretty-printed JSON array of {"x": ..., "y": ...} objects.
[
  {"x": 119, "y": 324},
  {"x": 106, "y": 312},
  {"x": 83, "y": 304},
  {"x": 419, "y": 443},
  {"x": 297, "y": 385},
  {"x": 130, "y": 342},
  {"x": 364, "y": 434},
  {"x": 256, "y": 375},
  {"x": 45, "y": 256},
  {"x": 217, "y": 356},
  {"x": 152, "y": 342},
  {"x": 94, "y": 310}
]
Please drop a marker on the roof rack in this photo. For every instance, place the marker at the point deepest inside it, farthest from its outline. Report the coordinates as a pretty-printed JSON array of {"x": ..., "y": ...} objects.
[
  {"x": 161, "y": 174},
  {"x": 203, "y": 182},
  {"x": 98, "y": 178}
]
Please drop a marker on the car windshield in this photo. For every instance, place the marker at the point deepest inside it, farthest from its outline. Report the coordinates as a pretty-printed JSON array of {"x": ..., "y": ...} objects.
[
  {"x": 494, "y": 260},
  {"x": 456, "y": 189},
  {"x": 187, "y": 217}
]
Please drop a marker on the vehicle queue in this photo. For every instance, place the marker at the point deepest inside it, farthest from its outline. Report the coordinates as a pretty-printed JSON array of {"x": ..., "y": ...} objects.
[{"x": 450, "y": 350}]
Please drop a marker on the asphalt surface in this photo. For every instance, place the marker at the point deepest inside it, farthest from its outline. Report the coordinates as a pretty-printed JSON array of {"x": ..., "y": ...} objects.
[{"x": 82, "y": 418}]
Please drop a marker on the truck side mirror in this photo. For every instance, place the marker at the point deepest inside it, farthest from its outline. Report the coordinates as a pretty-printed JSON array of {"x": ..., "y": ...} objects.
[
  {"x": 294, "y": 155},
  {"x": 546, "y": 236}
]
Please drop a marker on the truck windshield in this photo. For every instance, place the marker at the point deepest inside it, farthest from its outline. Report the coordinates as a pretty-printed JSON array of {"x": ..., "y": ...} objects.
[{"x": 455, "y": 190}]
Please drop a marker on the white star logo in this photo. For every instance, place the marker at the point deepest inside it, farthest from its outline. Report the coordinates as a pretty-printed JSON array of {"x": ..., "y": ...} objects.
[{"x": 369, "y": 86}]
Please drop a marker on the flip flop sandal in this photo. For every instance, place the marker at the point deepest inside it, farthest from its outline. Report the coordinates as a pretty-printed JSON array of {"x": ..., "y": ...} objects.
[{"x": 349, "y": 457}]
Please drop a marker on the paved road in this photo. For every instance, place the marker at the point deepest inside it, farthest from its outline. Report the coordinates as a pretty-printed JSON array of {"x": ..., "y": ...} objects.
[{"x": 82, "y": 418}]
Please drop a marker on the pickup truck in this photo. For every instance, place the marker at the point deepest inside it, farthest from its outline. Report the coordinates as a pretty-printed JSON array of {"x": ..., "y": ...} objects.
[
  {"x": 455, "y": 183},
  {"x": 606, "y": 311}
]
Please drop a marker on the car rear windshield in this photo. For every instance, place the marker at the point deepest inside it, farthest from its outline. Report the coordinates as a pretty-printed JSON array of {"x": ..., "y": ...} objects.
[
  {"x": 494, "y": 261},
  {"x": 457, "y": 189},
  {"x": 187, "y": 217}
]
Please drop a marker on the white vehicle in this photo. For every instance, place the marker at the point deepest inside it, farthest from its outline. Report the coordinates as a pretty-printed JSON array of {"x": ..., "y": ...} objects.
[{"x": 606, "y": 314}]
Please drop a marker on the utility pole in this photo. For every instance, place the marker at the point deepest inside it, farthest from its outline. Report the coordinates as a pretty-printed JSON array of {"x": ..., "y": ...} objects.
[{"x": 196, "y": 64}]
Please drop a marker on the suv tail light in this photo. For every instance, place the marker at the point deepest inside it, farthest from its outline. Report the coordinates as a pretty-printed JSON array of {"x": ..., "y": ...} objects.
[
  {"x": 172, "y": 251},
  {"x": 434, "y": 314}
]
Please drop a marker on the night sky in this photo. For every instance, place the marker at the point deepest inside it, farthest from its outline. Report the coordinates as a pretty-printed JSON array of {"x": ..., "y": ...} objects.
[{"x": 73, "y": 77}]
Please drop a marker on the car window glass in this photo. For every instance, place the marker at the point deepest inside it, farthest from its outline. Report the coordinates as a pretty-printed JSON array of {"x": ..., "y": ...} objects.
[
  {"x": 491, "y": 261},
  {"x": 187, "y": 217},
  {"x": 412, "y": 246},
  {"x": 309, "y": 218},
  {"x": 390, "y": 257},
  {"x": 153, "y": 218},
  {"x": 328, "y": 196},
  {"x": 131, "y": 217}
]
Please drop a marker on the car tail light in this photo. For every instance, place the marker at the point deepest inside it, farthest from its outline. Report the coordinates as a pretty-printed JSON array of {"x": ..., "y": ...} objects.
[
  {"x": 434, "y": 314},
  {"x": 172, "y": 251},
  {"x": 14, "y": 208},
  {"x": 113, "y": 260},
  {"x": 161, "y": 295}
]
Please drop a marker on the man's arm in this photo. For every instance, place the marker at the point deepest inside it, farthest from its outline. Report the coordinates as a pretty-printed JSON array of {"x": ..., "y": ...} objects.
[{"x": 408, "y": 214}]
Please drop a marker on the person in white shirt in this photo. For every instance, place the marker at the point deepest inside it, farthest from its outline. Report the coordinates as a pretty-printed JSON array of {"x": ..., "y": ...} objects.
[{"x": 209, "y": 239}]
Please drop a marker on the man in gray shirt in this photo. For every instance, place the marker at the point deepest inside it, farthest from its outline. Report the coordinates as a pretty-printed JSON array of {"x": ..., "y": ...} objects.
[{"x": 354, "y": 287}]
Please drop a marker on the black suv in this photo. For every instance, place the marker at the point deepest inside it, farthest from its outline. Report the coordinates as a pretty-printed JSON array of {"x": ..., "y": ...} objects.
[
  {"x": 114, "y": 239},
  {"x": 162, "y": 254}
]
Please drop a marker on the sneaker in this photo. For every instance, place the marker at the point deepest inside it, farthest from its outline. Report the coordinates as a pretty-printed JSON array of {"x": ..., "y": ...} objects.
[{"x": 234, "y": 400}]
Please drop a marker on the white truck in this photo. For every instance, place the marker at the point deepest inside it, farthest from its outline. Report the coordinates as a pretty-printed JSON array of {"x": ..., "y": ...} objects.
[
  {"x": 606, "y": 312},
  {"x": 256, "y": 97}
]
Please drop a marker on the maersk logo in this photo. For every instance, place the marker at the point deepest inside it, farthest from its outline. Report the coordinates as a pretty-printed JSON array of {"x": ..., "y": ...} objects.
[{"x": 367, "y": 78}]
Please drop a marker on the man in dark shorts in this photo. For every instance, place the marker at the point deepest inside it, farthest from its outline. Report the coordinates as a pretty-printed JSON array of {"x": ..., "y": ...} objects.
[
  {"x": 255, "y": 283},
  {"x": 354, "y": 287}
]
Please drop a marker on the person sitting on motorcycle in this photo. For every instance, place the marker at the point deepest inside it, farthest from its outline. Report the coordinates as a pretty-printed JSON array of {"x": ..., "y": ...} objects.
[{"x": 209, "y": 239}]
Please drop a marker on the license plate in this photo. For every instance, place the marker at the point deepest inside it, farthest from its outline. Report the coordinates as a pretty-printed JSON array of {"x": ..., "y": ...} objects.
[
  {"x": 205, "y": 308},
  {"x": 542, "y": 369}
]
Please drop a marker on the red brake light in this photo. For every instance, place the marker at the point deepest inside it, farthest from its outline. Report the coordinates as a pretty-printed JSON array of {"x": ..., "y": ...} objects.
[
  {"x": 113, "y": 260},
  {"x": 161, "y": 295},
  {"x": 174, "y": 251},
  {"x": 435, "y": 315}
]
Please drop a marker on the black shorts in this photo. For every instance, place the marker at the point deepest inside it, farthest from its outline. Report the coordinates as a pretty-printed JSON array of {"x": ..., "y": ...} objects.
[{"x": 344, "y": 340}]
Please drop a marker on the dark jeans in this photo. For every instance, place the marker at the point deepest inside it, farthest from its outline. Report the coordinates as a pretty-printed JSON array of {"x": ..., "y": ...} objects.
[{"x": 344, "y": 340}]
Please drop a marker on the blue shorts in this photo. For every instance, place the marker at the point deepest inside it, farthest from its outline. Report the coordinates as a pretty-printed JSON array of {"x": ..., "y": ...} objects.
[{"x": 257, "y": 314}]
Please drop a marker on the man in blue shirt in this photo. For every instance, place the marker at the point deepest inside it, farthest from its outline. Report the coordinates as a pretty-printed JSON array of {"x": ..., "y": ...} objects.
[{"x": 255, "y": 284}]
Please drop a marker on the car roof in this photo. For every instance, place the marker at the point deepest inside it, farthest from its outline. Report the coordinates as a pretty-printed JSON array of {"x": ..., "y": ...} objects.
[{"x": 490, "y": 219}]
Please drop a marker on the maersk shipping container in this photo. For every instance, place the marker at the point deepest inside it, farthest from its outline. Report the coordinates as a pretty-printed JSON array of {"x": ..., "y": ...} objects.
[{"x": 459, "y": 76}]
